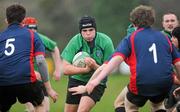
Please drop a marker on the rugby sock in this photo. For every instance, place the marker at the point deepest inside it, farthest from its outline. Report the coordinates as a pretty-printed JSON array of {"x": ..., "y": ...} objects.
[{"x": 120, "y": 109}]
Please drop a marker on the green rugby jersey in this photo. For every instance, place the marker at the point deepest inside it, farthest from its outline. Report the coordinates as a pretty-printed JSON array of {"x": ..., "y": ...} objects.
[
  {"x": 103, "y": 48},
  {"x": 167, "y": 33},
  {"x": 48, "y": 44}
]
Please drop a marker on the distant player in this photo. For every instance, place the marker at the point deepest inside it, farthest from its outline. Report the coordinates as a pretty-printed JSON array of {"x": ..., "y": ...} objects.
[
  {"x": 174, "y": 96},
  {"x": 169, "y": 21},
  {"x": 51, "y": 46}
]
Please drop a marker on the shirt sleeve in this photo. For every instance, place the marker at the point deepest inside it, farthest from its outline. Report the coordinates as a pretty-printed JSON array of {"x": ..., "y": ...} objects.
[
  {"x": 47, "y": 42},
  {"x": 123, "y": 49},
  {"x": 70, "y": 50},
  {"x": 38, "y": 45},
  {"x": 109, "y": 49}
]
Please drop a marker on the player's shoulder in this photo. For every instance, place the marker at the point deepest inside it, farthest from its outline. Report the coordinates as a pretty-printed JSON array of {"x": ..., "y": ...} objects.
[
  {"x": 161, "y": 33},
  {"x": 150, "y": 30},
  {"x": 102, "y": 36},
  {"x": 42, "y": 36},
  {"x": 76, "y": 38}
]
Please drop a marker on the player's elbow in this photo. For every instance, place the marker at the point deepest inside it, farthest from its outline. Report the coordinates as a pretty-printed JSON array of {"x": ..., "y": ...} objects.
[
  {"x": 66, "y": 71},
  {"x": 67, "y": 68}
]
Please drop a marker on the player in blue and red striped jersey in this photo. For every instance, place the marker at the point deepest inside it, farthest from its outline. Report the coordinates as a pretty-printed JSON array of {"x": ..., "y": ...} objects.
[
  {"x": 18, "y": 46},
  {"x": 150, "y": 55}
]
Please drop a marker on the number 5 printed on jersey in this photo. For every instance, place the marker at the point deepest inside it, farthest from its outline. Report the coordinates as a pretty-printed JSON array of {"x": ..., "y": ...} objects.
[{"x": 9, "y": 45}]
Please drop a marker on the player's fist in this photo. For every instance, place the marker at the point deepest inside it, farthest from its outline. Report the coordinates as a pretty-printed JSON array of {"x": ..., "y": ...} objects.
[{"x": 53, "y": 95}]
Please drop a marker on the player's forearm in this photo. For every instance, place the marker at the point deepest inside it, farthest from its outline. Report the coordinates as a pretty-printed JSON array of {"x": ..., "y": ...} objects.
[
  {"x": 47, "y": 85},
  {"x": 42, "y": 67},
  {"x": 97, "y": 72},
  {"x": 52, "y": 94},
  {"x": 70, "y": 69},
  {"x": 56, "y": 58},
  {"x": 113, "y": 63}
]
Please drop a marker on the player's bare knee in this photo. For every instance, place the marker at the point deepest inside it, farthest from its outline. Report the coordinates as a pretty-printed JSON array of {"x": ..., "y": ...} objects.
[
  {"x": 118, "y": 103},
  {"x": 83, "y": 110}
]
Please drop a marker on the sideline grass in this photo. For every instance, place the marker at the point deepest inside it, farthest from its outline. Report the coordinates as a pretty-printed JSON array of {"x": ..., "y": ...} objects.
[{"x": 115, "y": 84}]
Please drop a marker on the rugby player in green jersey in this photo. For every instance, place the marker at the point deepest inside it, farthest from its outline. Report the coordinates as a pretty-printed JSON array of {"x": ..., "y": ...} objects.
[
  {"x": 51, "y": 46},
  {"x": 99, "y": 46}
]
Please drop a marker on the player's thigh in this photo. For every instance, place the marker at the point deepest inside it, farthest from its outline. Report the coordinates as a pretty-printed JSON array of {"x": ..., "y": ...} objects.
[
  {"x": 157, "y": 102},
  {"x": 97, "y": 93},
  {"x": 44, "y": 89},
  {"x": 88, "y": 101},
  {"x": 29, "y": 107},
  {"x": 46, "y": 96},
  {"x": 129, "y": 106},
  {"x": 86, "y": 104},
  {"x": 119, "y": 102},
  {"x": 157, "y": 106},
  {"x": 7, "y": 97},
  {"x": 31, "y": 92},
  {"x": 138, "y": 100},
  {"x": 71, "y": 107},
  {"x": 46, "y": 103},
  {"x": 73, "y": 99},
  {"x": 158, "y": 98}
]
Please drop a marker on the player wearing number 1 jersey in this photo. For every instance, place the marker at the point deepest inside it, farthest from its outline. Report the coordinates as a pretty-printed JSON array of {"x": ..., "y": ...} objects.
[{"x": 150, "y": 55}]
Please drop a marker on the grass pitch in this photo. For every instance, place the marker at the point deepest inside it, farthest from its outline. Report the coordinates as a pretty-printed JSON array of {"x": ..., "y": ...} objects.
[{"x": 115, "y": 84}]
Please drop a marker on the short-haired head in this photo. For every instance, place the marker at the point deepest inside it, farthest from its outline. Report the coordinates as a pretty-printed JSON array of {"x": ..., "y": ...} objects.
[
  {"x": 170, "y": 13},
  {"x": 142, "y": 16},
  {"x": 169, "y": 21},
  {"x": 15, "y": 13}
]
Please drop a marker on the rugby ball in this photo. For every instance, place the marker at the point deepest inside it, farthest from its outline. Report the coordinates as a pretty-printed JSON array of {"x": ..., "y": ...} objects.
[
  {"x": 79, "y": 59},
  {"x": 124, "y": 69}
]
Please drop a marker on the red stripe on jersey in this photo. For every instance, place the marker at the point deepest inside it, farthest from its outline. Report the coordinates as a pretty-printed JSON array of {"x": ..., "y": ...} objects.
[
  {"x": 116, "y": 54},
  {"x": 132, "y": 62},
  {"x": 176, "y": 60},
  {"x": 39, "y": 53},
  {"x": 169, "y": 42},
  {"x": 119, "y": 54},
  {"x": 32, "y": 73},
  {"x": 106, "y": 62}
]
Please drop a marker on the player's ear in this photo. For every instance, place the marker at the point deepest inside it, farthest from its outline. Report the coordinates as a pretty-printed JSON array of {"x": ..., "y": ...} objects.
[{"x": 6, "y": 20}]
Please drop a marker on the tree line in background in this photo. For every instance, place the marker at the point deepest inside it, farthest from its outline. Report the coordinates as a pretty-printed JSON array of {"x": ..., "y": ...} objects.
[{"x": 59, "y": 18}]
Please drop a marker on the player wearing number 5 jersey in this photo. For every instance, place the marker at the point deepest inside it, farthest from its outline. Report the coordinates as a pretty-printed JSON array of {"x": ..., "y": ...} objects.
[
  {"x": 18, "y": 47},
  {"x": 14, "y": 54}
]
